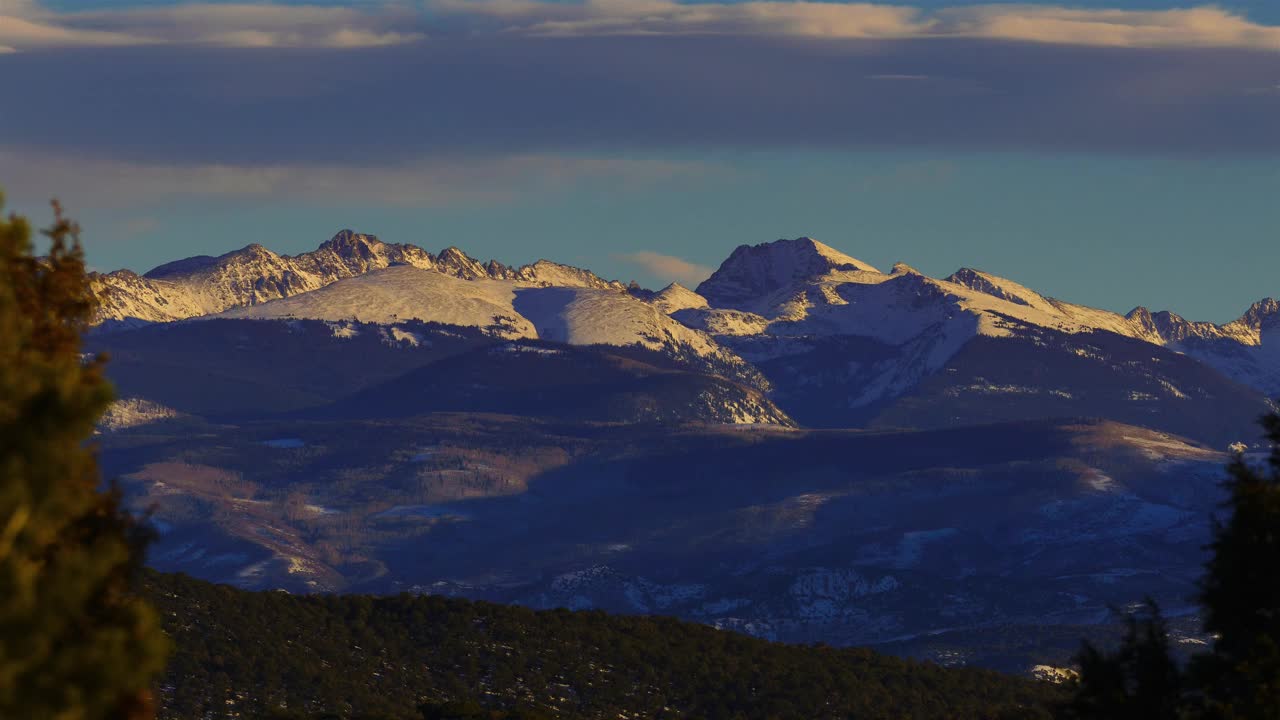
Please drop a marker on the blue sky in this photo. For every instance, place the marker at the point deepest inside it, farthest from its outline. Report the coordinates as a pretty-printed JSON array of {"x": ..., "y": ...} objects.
[{"x": 1105, "y": 157}]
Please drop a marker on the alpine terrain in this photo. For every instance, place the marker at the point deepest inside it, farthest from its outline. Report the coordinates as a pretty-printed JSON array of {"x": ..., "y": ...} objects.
[{"x": 803, "y": 447}]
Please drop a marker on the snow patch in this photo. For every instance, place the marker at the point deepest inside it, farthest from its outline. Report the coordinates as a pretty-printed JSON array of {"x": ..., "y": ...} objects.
[{"x": 134, "y": 412}]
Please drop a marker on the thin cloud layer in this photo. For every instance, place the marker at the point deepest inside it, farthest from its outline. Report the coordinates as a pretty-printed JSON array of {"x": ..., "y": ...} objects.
[
  {"x": 630, "y": 95},
  {"x": 668, "y": 267},
  {"x": 105, "y": 183},
  {"x": 246, "y": 101},
  {"x": 1207, "y": 26},
  {"x": 26, "y": 25},
  {"x": 1184, "y": 28}
]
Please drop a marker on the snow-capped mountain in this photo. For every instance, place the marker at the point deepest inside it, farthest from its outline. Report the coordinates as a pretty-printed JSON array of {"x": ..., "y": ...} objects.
[
  {"x": 805, "y": 447},
  {"x": 1246, "y": 350},
  {"x": 510, "y": 309},
  {"x": 677, "y": 297},
  {"x": 819, "y": 323},
  {"x": 803, "y": 287},
  {"x": 787, "y": 292},
  {"x": 759, "y": 278},
  {"x": 253, "y": 275}
]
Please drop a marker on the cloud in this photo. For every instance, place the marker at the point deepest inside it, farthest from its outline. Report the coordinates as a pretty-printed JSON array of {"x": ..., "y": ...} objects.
[
  {"x": 668, "y": 267},
  {"x": 135, "y": 227},
  {"x": 25, "y": 25},
  {"x": 1192, "y": 27},
  {"x": 805, "y": 19},
  {"x": 483, "y": 86},
  {"x": 1207, "y": 26},
  {"x": 87, "y": 182},
  {"x": 628, "y": 95}
]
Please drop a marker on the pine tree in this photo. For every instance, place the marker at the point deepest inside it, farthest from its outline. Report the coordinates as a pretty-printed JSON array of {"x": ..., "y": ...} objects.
[
  {"x": 75, "y": 642},
  {"x": 1241, "y": 593},
  {"x": 1239, "y": 678},
  {"x": 1139, "y": 681}
]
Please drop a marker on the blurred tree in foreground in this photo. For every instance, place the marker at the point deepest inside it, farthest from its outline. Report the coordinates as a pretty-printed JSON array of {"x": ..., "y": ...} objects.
[
  {"x": 1239, "y": 678},
  {"x": 1140, "y": 680},
  {"x": 1240, "y": 593},
  {"x": 75, "y": 642}
]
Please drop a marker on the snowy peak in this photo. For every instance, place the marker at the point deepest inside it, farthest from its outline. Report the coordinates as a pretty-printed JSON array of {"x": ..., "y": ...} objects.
[
  {"x": 1168, "y": 328},
  {"x": 1144, "y": 323},
  {"x": 205, "y": 285},
  {"x": 675, "y": 297},
  {"x": 452, "y": 261},
  {"x": 754, "y": 272},
  {"x": 553, "y": 274},
  {"x": 836, "y": 259},
  {"x": 1264, "y": 313},
  {"x": 996, "y": 287},
  {"x": 179, "y": 267},
  {"x": 351, "y": 245},
  {"x": 348, "y": 241}
]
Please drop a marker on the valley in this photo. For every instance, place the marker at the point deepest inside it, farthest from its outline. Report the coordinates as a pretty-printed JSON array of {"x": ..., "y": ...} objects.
[{"x": 804, "y": 450}]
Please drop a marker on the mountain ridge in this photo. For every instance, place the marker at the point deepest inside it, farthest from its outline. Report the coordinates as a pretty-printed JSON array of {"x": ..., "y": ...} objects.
[
  {"x": 252, "y": 275},
  {"x": 773, "y": 264},
  {"x": 763, "y": 300}
]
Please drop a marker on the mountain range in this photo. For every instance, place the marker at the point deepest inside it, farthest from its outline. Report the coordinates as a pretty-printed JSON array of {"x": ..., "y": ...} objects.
[
  {"x": 803, "y": 447},
  {"x": 769, "y": 313}
]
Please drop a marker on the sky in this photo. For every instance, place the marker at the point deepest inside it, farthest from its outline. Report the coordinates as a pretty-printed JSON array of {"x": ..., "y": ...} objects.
[{"x": 1109, "y": 152}]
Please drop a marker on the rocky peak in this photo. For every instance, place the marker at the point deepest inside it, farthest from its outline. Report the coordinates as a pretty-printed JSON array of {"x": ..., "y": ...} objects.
[
  {"x": 1139, "y": 315},
  {"x": 252, "y": 251},
  {"x": 546, "y": 272},
  {"x": 181, "y": 267},
  {"x": 753, "y": 272},
  {"x": 993, "y": 286},
  {"x": 1264, "y": 313},
  {"x": 1172, "y": 328},
  {"x": 348, "y": 243},
  {"x": 675, "y": 297},
  {"x": 497, "y": 270},
  {"x": 452, "y": 261},
  {"x": 1141, "y": 319}
]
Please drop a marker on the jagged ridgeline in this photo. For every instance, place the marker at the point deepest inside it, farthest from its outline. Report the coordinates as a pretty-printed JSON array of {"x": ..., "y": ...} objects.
[
  {"x": 271, "y": 654},
  {"x": 832, "y": 340},
  {"x": 803, "y": 447}
]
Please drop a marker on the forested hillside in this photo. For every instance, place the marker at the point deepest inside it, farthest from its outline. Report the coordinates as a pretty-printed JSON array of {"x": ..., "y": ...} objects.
[{"x": 276, "y": 655}]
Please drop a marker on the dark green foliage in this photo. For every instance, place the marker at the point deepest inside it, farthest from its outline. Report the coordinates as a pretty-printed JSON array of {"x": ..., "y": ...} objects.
[
  {"x": 1240, "y": 594},
  {"x": 408, "y": 657},
  {"x": 1140, "y": 681},
  {"x": 75, "y": 643}
]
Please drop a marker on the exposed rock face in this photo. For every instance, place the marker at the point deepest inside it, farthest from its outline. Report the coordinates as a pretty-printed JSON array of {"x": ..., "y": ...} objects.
[
  {"x": 754, "y": 272},
  {"x": 205, "y": 285},
  {"x": 779, "y": 293}
]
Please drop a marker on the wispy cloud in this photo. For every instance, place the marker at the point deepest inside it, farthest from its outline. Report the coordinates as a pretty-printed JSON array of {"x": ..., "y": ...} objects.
[
  {"x": 106, "y": 183},
  {"x": 1207, "y": 26},
  {"x": 299, "y": 113},
  {"x": 668, "y": 267},
  {"x": 24, "y": 24},
  {"x": 137, "y": 227}
]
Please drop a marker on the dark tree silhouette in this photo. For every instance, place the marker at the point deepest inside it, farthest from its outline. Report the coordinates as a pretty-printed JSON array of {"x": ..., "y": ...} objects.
[
  {"x": 1139, "y": 681},
  {"x": 1241, "y": 594}
]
